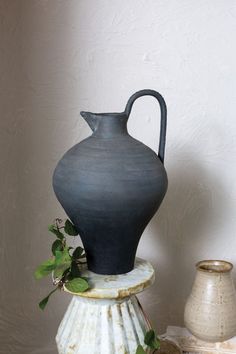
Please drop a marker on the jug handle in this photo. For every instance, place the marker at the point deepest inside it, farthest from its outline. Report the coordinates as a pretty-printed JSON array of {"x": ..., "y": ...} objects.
[{"x": 158, "y": 96}]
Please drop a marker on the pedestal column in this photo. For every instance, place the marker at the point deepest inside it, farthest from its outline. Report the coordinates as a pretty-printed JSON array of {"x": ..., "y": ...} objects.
[{"x": 107, "y": 319}]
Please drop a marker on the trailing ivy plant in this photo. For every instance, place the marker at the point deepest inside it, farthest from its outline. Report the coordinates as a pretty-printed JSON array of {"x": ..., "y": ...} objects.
[
  {"x": 152, "y": 341},
  {"x": 64, "y": 263}
]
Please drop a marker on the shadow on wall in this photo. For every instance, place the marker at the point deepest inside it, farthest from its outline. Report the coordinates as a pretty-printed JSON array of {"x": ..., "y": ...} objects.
[
  {"x": 38, "y": 97},
  {"x": 188, "y": 215}
]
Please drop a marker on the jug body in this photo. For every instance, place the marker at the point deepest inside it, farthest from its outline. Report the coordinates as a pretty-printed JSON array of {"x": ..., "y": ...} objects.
[
  {"x": 210, "y": 311},
  {"x": 110, "y": 185}
]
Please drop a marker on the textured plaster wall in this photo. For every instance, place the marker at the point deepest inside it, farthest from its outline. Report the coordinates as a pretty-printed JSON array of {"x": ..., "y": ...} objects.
[{"x": 58, "y": 57}]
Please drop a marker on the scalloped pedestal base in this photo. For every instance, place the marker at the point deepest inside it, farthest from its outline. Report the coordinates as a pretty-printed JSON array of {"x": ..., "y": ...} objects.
[
  {"x": 101, "y": 326},
  {"x": 107, "y": 319}
]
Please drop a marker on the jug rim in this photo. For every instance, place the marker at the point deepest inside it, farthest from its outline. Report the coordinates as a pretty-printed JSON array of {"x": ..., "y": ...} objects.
[
  {"x": 104, "y": 114},
  {"x": 214, "y": 266}
]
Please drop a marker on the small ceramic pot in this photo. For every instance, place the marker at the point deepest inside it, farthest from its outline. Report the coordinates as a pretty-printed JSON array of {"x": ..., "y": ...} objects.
[{"x": 210, "y": 311}]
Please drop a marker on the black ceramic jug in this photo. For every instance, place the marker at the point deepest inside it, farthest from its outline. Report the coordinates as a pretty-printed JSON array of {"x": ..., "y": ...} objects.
[{"x": 111, "y": 185}]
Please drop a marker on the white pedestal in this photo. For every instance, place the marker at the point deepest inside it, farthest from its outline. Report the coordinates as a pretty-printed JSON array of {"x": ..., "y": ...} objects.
[{"x": 107, "y": 319}]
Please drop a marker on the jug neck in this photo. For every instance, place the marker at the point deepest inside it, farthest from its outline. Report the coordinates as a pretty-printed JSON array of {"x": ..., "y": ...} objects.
[{"x": 107, "y": 125}]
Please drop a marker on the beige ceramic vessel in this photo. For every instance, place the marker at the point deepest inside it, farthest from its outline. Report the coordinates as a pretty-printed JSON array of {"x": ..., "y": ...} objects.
[{"x": 210, "y": 311}]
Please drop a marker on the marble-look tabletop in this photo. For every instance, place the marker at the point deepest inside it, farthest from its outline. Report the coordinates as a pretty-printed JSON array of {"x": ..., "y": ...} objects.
[{"x": 191, "y": 345}]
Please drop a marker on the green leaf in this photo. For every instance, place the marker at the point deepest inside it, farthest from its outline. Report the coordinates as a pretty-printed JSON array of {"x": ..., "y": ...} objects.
[
  {"x": 149, "y": 337},
  {"x": 70, "y": 228},
  {"x": 62, "y": 261},
  {"x": 45, "y": 269},
  {"x": 75, "y": 272},
  {"x": 57, "y": 246},
  {"x": 60, "y": 270},
  {"x": 140, "y": 350},
  {"x": 66, "y": 274},
  {"x": 52, "y": 228},
  {"x": 62, "y": 256},
  {"x": 77, "y": 285},
  {"x": 152, "y": 340},
  {"x": 78, "y": 252},
  {"x": 44, "y": 302}
]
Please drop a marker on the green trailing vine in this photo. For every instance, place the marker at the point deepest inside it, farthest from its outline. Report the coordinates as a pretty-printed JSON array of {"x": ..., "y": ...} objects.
[
  {"x": 64, "y": 263},
  {"x": 152, "y": 341}
]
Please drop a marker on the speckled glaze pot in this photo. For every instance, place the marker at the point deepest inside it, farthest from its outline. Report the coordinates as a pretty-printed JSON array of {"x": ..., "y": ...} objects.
[
  {"x": 210, "y": 312},
  {"x": 111, "y": 185}
]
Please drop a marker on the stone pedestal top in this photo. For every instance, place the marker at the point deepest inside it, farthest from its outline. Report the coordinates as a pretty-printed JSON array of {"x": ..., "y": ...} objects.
[{"x": 118, "y": 286}]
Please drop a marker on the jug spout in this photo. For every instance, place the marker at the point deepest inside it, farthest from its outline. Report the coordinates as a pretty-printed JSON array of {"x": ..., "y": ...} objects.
[
  {"x": 106, "y": 125},
  {"x": 91, "y": 119}
]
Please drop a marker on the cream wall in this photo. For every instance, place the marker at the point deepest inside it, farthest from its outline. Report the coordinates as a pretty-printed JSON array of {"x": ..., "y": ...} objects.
[{"x": 59, "y": 57}]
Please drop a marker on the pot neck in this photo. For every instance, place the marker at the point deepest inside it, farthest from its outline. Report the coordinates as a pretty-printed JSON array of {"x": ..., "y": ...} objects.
[{"x": 214, "y": 267}]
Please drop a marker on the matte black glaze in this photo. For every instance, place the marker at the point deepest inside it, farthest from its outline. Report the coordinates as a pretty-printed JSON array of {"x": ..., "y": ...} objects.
[{"x": 111, "y": 185}]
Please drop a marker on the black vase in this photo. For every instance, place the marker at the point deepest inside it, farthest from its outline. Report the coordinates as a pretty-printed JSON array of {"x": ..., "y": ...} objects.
[{"x": 110, "y": 185}]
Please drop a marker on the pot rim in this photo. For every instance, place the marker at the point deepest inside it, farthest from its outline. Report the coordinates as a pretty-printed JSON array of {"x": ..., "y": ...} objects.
[{"x": 214, "y": 266}]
